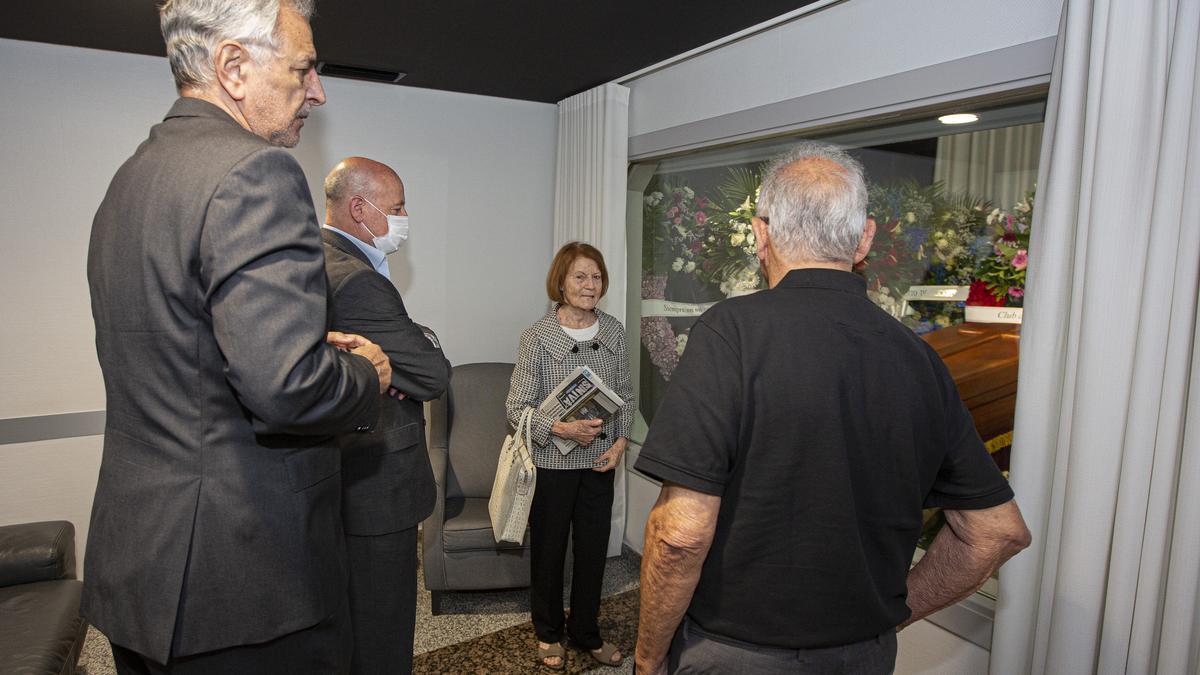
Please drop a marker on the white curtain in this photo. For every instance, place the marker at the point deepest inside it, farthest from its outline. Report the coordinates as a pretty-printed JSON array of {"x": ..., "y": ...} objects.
[
  {"x": 589, "y": 206},
  {"x": 996, "y": 164},
  {"x": 1106, "y": 461}
]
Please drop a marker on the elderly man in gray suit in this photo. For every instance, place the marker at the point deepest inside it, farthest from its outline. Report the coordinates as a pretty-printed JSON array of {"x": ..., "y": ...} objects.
[
  {"x": 216, "y": 543},
  {"x": 387, "y": 482}
]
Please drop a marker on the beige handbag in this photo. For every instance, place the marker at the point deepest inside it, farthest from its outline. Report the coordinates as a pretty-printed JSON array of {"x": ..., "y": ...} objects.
[{"x": 512, "y": 491}]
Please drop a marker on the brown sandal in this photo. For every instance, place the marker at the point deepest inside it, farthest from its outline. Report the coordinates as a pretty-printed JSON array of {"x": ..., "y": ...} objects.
[
  {"x": 607, "y": 655},
  {"x": 550, "y": 651}
]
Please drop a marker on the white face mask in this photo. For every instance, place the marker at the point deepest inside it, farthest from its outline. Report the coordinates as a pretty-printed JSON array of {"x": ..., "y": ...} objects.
[{"x": 396, "y": 235}]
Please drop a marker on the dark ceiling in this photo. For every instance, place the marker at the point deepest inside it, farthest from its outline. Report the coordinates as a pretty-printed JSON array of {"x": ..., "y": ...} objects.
[{"x": 536, "y": 50}]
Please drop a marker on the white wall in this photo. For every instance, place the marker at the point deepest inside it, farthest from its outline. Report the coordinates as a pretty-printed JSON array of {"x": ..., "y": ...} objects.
[
  {"x": 479, "y": 176},
  {"x": 846, "y": 43}
]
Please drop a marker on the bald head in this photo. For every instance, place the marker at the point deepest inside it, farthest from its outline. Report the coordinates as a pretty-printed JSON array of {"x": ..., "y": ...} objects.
[
  {"x": 814, "y": 200},
  {"x": 359, "y": 194}
]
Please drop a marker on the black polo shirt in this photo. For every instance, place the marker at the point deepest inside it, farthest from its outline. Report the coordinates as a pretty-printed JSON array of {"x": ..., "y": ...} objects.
[{"x": 825, "y": 425}]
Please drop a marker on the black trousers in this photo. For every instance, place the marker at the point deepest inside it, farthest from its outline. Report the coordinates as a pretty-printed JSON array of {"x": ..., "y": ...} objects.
[
  {"x": 323, "y": 648},
  {"x": 695, "y": 652},
  {"x": 578, "y": 500},
  {"x": 383, "y": 600}
]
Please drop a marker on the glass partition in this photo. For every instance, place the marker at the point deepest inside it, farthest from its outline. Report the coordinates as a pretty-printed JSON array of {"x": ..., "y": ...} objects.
[{"x": 951, "y": 204}]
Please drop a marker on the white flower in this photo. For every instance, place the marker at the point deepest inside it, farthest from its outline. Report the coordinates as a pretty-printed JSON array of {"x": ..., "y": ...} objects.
[
  {"x": 746, "y": 279},
  {"x": 883, "y": 299},
  {"x": 680, "y": 344},
  {"x": 690, "y": 267},
  {"x": 737, "y": 239},
  {"x": 654, "y": 198},
  {"x": 688, "y": 192},
  {"x": 942, "y": 243},
  {"x": 677, "y": 265},
  {"x": 711, "y": 238},
  {"x": 910, "y": 217}
]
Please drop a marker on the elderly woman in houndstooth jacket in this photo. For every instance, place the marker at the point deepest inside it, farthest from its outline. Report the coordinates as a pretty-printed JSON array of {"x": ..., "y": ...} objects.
[{"x": 576, "y": 489}]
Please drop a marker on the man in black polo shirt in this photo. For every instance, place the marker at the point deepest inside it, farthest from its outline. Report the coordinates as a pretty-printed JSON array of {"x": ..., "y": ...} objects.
[{"x": 804, "y": 431}]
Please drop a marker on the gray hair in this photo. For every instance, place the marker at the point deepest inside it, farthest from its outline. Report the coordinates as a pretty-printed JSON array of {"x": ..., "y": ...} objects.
[
  {"x": 192, "y": 29},
  {"x": 814, "y": 214}
]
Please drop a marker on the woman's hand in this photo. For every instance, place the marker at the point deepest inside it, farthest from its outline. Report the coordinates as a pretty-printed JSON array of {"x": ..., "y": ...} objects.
[
  {"x": 580, "y": 431},
  {"x": 611, "y": 458}
]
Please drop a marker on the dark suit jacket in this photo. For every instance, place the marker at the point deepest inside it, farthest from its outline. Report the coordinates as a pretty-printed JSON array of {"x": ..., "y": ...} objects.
[
  {"x": 387, "y": 482},
  {"x": 216, "y": 516}
]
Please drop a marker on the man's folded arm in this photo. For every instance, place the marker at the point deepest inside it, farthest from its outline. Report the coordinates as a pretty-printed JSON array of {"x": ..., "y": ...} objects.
[
  {"x": 263, "y": 269},
  {"x": 968, "y": 550},
  {"x": 368, "y": 304}
]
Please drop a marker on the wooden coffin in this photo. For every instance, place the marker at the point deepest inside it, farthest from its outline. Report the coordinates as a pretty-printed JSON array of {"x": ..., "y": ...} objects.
[{"x": 982, "y": 358}]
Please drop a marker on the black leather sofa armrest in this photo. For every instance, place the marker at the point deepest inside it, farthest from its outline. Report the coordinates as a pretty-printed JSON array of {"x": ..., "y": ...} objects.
[{"x": 32, "y": 552}]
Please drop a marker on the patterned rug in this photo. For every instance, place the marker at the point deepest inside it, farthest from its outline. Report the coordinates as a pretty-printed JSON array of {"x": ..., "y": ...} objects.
[{"x": 513, "y": 649}]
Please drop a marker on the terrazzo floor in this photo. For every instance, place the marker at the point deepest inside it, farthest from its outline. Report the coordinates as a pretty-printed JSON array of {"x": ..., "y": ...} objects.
[{"x": 482, "y": 632}]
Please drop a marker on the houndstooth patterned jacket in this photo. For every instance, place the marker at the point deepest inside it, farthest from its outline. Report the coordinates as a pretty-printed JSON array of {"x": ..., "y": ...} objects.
[{"x": 546, "y": 356}]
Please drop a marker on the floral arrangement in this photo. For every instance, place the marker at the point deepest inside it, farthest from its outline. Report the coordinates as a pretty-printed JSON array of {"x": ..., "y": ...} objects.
[
  {"x": 923, "y": 236},
  {"x": 658, "y": 337},
  {"x": 711, "y": 240},
  {"x": 1000, "y": 281},
  {"x": 954, "y": 243},
  {"x": 902, "y": 214},
  {"x": 679, "y": 223},
  {"x": 728, "y": 252}
]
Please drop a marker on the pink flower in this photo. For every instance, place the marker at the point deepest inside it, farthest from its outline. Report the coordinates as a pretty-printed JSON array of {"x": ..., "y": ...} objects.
[
  {"x": 673, "y": 211},
  {"x": 1020, "y": 260},
  {"x": 1008, "y": 223},
  {"x": 1016, "y": 292},
  {"x": 701, "y": 217},
  {"x": 678, "y": 221}
]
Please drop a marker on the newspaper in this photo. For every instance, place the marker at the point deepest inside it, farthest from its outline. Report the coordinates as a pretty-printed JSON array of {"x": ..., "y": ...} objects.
[{"x": 582, "y": 395}]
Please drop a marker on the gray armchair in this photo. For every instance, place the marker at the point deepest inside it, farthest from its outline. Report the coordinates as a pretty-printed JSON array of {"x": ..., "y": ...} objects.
[{"x": 467, "y": 426}]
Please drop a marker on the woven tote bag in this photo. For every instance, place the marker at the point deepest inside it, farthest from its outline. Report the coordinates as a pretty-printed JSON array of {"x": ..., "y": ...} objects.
[{"x": 512, "y": 490}]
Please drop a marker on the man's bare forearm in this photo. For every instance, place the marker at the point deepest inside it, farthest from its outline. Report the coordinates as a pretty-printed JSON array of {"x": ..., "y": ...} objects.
[
  {"x": 945, "y": 575},
  {"x": 964, "y": 554},
  {"x": 678, "y": 537}
]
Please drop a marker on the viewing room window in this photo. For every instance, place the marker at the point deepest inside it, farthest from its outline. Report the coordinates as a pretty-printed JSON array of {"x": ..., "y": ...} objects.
[{"x": 952, "y": 204}]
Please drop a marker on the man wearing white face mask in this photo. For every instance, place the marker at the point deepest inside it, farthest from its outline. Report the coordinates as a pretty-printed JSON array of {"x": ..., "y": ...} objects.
[{"x": 387, "y": 483}]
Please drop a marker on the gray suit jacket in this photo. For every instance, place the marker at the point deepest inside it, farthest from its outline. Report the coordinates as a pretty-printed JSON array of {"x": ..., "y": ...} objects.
[
  {"x": 216, "y": 519},
  {"x": 386, "y": 478}
]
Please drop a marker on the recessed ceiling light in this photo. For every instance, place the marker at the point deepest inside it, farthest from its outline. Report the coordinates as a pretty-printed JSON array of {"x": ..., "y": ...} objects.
[{"x": 959, "y": 118}]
